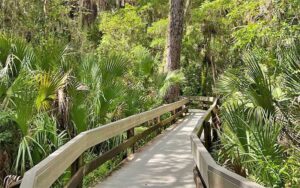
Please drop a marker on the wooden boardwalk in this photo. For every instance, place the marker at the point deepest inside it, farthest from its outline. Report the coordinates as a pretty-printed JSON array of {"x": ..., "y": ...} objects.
[{"x": 165, "y": 162}]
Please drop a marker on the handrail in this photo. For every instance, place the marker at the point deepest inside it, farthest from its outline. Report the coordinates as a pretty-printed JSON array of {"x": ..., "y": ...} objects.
[
  {"x": 45, "y": 173},
  {"x": 212, "y": 174}
]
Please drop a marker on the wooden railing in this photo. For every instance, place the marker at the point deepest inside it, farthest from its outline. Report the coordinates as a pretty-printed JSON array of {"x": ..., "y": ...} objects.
[
  {"x": 50, "y": 169},
  {"x": 212, "y": 174}
]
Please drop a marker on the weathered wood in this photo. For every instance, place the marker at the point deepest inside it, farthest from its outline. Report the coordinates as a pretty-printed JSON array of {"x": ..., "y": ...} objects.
[
  {"x": 157, "y": 122},
  {"x": 201, "y": 98},
  {"x": 50, "y": 169},
  {"x": 212, "y": 174},
  {"x": 207, "y": 135},
  {"x": 216, "y": 124},
  {"x": 130, "y": 133},
  {"x": 89, "y": 167},
  {"x": 76, "y": 165},
  {"x": 173, "y": 112},
  {"x": 197, "y": 178}
]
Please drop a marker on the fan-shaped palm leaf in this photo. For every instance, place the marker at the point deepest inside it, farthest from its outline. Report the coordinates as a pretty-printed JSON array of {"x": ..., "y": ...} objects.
[{"x": 49, "y": 84}]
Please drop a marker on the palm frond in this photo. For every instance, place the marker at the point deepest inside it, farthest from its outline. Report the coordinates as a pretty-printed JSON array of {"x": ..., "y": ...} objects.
[
  {"x": 49, "y": 84},
  {"x": 173, "y": 78}
]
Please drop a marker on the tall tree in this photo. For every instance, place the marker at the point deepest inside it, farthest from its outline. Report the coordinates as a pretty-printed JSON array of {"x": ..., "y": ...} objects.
[{"x": 175, "y": 34}]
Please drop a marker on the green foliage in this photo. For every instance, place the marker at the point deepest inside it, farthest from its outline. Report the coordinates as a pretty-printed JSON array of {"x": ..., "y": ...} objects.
[
  {"x": 253, "y": 86},
  {"x": 120, "y": 37},
  {"x": 68, "y": 71},
  {"x": 49, "y": 84},
  {"x": 172, "y": 78},
  {"x": 254, "y": 123},
  {"x": 158, "y": 31},
  {"x": 64, "y": 73},
  {"x": 252, "y": 144}
]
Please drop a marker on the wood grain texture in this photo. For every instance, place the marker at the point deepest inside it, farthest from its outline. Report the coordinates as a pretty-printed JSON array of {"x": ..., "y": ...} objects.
[
  {"x": 50, "y": 169},
  {"x": 214, "y": 175},
  {"x": 89, "y": 167}
]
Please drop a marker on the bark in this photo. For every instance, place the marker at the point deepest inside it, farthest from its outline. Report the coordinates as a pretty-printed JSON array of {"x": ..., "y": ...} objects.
[
  {"x": 176, "y": 20},
  {"x": 89, "y": 11},
  {"x": 120, "y": 3},
  {"x": 103, "y": 5},
  {"x": 4, "y": 165}
]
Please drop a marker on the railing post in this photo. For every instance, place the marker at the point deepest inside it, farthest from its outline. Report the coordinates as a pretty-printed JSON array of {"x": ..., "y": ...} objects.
[
  {"x": 180, "y": 109},
  {"x": 173, "y": 114},
  {"x": 207, "y": 135},
  {"x": 130, "y": 133},
  {"x": 216, "y": 124},
  {"x": 75, "y": 167},
  {"x": 158, "y": 122}
]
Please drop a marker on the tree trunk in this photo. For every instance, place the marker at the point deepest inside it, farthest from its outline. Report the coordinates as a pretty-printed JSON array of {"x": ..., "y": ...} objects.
[
  {"x": 103, "y": 5},
  {"x": 120, "y": 3},
  {"x": 176, "y": 19},
  {"x": 89, "y": 12}
]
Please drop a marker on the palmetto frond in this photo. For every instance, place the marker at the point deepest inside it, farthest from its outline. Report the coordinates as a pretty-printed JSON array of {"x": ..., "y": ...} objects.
[
  {"x": 51, "y": 56},
  {"x": 235, "y": 118},
  {"x": 292, "y": 70},
  {"x": 48, "y": 86},
  {"x": 172, "y": 78},
  {"x": 229, "y": 83},
  {"x": 43, "y": 140},
  {"x": 112, "y": 67},
  {"x": 248, "y": 141},
  {"x": 24, "y": 157},
  {"x": 252, "y": 84},
  {"x": 46, "y": 134},
  {"x": 79, "y": 111},
  {"x": 259, "y": 89},
  {"x": 144, "y": 61},
  {"x": 15, "y": 55},
  {"x": 22, "y": 96}
]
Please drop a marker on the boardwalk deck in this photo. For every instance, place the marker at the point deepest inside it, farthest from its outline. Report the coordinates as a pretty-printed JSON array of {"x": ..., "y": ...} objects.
[{"x": 166, "y": 162}]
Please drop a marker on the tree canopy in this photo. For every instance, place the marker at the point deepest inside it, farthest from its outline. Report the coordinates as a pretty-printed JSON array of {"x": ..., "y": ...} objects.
[{"x": 67, "y": 66}]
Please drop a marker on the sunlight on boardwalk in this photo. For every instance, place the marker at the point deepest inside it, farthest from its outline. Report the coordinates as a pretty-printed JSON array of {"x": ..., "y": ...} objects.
[{"x": 166, "y": 162}]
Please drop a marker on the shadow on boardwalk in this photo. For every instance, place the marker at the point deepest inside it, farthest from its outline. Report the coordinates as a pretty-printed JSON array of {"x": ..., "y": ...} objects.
[{"x": 165, "y": 162}]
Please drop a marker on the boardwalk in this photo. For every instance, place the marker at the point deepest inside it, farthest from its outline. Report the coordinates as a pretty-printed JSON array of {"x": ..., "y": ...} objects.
[{"x": 166, "y": 162}]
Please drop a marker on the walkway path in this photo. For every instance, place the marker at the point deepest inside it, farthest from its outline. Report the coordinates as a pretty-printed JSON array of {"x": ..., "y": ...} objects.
[{"x": 166, "y": 162}]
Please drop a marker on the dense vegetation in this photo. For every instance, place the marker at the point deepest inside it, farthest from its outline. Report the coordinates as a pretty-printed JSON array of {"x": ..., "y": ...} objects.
[{"x": 68, "y": 66}]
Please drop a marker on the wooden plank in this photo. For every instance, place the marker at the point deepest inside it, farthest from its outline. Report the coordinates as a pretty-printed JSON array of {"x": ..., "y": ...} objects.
[
  {"x": 207, "y": 135},
  {"x": 47, "y": 171},
  {"x": 89, "y": 167},
  {"x": 201, "y": 157},
  {"x": 130, "y": 133},
  {"x": 158, "y": 121},
  {"x": 212, "y": 174},
  {"x": 197, "y": 178},
  {"x": 220, "y": 176},
  {"x": 206, "y": 116},
  {"x": 77, "y": 164},
  {"x": 201, "y": 98}
]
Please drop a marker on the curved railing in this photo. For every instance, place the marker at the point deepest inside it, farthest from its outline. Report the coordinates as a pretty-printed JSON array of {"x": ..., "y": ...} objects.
[
  {"x": 212, "y": 174},
  {"x": 50, "y": 169}
]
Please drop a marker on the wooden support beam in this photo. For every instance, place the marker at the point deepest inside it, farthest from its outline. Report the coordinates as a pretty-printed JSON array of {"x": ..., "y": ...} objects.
[
  {"x": 77, "y": 164},
  {"x": 158, "y": 122},
  {"x": 173, "y": 112},
  {"x": 197, "y": 178},
  {"x": 50, "y": 169},
  {"x": 130, "y": 133},
  {"x": 130, "y": 141},
  {"x": 207, "y": 135}
]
